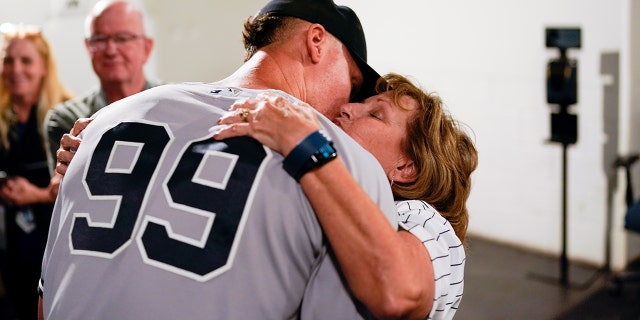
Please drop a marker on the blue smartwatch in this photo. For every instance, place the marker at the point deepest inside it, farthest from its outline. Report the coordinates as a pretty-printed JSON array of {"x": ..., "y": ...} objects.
[{"x": 312, "y": 152}]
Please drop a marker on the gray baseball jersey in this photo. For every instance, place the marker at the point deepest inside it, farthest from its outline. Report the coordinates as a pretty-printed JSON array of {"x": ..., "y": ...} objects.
[{"x": 156, "y": 220}]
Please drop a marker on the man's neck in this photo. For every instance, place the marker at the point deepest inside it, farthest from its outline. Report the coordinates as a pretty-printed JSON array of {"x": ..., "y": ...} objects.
[
  {"x": 262, "y": 71},
  {"x": 115, "y": 91}
]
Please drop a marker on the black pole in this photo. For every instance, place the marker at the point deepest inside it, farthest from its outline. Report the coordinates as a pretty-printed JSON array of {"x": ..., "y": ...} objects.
[
  {"x": 607, "y": 230},
  {"x": 564, "y": 262},
  {"x": 562, "y": 89}
]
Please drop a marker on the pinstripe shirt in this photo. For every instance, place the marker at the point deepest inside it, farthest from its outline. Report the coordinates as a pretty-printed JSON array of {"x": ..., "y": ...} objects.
[{"x": 446, "y": 251}]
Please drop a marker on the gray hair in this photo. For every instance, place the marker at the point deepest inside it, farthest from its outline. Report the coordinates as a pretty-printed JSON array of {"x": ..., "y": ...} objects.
[{"x": 103, "y": 5}]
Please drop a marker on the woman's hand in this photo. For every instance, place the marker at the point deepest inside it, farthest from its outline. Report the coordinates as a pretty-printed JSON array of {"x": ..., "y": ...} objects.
[
  {"x": 18, "y": 191},
  {"x": 270, "y": 119}
]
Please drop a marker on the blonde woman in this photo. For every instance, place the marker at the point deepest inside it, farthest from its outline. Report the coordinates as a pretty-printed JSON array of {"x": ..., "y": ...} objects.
[{"x": 29, "y": 88}]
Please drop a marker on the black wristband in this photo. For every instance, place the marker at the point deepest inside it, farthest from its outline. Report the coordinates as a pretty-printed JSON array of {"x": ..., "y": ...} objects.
[{"x": 312, "y": 152}]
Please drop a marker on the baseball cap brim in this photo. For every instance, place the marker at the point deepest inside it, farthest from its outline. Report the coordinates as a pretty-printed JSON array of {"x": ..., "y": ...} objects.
[{"x": 370, "y": 78}]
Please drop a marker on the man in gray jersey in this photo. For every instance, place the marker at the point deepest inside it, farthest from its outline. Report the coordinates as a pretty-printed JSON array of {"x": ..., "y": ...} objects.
[{"x": 158, "y": 221}]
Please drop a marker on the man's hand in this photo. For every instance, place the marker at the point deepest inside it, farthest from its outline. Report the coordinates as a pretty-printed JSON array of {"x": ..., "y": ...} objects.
[{"x": 69, "y": 143}]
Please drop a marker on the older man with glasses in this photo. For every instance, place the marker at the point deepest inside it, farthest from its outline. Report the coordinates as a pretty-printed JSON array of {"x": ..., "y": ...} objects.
[{"x": 118, "y": 48}]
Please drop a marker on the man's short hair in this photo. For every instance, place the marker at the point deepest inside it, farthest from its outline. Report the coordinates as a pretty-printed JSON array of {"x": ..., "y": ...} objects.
[{"x": 262, "y": 31}]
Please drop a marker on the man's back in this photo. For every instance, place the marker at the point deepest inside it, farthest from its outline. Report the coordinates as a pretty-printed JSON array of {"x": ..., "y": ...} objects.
[{"x": 157, "y": 220}]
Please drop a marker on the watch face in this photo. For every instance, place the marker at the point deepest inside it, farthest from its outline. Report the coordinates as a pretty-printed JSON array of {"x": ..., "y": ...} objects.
[{"x": 326, "y": 153}]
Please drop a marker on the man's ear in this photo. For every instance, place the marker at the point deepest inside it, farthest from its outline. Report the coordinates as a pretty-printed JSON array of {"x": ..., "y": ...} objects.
[
  {"x": 316, "y": 39},
  {"x": 148, "y": 46},
  {"x": 405, "y": 171}
]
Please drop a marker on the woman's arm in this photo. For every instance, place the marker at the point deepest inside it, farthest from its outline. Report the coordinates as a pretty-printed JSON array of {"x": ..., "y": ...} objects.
[
  {"x": 389, "y": 271},
  {"x": 19, "y": 191}
]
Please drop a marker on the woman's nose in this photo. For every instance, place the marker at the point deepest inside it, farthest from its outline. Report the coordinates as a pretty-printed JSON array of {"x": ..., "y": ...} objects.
[
  {"x": 347, "y": 111},
  {"x": 15, "y": 67}
]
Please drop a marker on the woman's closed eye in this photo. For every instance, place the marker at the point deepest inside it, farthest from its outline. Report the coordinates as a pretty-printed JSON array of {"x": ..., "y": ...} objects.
[{"x": 377, "y": 114}]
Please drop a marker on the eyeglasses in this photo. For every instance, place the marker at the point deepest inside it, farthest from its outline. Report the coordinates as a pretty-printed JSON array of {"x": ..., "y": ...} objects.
[{"x": 99, "y": 42}]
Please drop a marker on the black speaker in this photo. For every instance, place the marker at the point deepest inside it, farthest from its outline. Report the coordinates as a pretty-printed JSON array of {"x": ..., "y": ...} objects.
[
  {"x": 564, "y": 128},
  {"x": 562, "y": 82},
  {"x": 563, "y": 38}
]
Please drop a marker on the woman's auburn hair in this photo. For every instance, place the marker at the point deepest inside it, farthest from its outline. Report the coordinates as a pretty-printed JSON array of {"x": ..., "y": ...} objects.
[{"x": 443, "y": 153}]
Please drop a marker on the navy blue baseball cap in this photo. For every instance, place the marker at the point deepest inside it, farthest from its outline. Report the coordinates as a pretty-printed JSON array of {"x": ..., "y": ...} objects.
[{"x": 341, "y": 22}]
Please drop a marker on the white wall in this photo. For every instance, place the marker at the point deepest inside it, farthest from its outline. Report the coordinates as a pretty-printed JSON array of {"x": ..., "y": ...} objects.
[
  {"x": 201, "y": 41},
  {"x": 487, "y": 59}
]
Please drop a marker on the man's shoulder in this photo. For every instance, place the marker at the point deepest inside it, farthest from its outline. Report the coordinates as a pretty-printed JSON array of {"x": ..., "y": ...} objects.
[
  {"x": 176, "y": 86},
  {"x": 168, "y": 92},
  {"x": 152, "y": 82},
  {"x": 78, "y": 104}
]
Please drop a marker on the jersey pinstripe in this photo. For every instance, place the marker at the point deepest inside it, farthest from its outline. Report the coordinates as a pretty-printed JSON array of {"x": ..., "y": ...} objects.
[
  {"x": 447, "y": 254},
  {"x": 155, "y": 220}
]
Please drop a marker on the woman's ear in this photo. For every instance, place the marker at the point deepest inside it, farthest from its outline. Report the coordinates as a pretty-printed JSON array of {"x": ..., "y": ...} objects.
[
  {"x": 316, "y": 38},
  {"x": 405, "y": 171}
]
